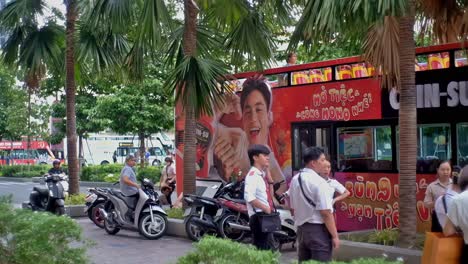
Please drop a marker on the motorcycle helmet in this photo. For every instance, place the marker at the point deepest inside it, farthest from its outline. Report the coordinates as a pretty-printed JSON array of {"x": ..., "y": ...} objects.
[{"x": 56, "y": 161}]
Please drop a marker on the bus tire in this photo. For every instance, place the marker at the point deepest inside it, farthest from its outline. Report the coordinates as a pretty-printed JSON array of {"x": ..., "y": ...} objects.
[
  {"x": 156, "y": 163},
  {"x": 105, "y": 162}
]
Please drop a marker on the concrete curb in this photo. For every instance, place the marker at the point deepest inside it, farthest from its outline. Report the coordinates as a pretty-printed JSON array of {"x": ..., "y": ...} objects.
[
  {"x": 15, "y": 179},
  {"x": 73, "y": 211},
  {"x": 350, "y": 250},
  {"x": 176, "y": 227}
]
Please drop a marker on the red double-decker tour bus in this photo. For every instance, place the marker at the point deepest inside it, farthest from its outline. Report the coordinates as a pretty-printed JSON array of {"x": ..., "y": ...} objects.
[
  {"x": 18, "y": 153},
  {"x": 337, "y": 105}
]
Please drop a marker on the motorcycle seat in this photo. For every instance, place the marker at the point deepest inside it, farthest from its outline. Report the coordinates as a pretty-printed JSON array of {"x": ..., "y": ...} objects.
[
  {"x": 129, "y": 201},
  {"x": 239, "y": 201},
  {"x": 41, "y": 190}
]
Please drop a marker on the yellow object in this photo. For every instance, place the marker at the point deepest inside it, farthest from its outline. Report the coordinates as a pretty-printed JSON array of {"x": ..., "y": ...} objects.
[{"x": 439, "y": 249}]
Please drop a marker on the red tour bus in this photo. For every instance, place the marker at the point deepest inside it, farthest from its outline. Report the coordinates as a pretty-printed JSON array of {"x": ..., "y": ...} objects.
[
  {"x": 16, "y": 152},
  {"x": 337, "y": 105}
]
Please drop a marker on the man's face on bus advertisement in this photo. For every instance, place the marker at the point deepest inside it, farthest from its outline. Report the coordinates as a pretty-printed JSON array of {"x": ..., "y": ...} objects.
[{"x": 256, "y": 118}]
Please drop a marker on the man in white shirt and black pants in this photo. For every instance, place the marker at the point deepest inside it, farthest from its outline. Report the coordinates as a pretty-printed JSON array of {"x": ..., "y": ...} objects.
[
  {"x": 312, "y": 207},
  {"x": 257, "y": 193}
]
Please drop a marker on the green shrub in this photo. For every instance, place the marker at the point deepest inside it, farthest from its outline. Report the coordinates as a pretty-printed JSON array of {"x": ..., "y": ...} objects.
[
  {"x": 387, "y": 237},
  {"x": 151, "y": 172},
  {"x": 224, "y": 251},
  {"x": 176, "y": 213},
  {"x": 24, "y": 170},
  {"x": 76, "y": 199},
  {"x": 100, "y": 172},
  {"x": 29, "y": 237}
]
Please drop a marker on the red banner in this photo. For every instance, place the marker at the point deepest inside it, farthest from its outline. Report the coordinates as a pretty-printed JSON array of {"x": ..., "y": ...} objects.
[
  {"x": 23, "y": 144},
  {"x": 373, "y": 203},
  {"x": 350, "y": 100}
]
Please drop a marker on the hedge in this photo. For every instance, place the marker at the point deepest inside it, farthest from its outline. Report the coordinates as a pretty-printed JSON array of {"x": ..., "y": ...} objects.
[
  {"x": 28, "y": 237},
  {"x": 211, "y": 250},
  {"x": 94, "y": 173}
]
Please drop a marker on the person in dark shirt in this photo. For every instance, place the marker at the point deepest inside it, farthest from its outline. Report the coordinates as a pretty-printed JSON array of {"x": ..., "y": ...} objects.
[{"x": 56, "y": 169}]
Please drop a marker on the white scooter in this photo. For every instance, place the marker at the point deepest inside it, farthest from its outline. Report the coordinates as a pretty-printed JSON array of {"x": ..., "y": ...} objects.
[{"x": 148, "y": 217}]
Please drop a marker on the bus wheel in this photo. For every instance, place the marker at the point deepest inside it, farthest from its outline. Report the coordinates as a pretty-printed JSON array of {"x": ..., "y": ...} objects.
[
  {"x": 104, "y": 162},
  {"x": 156, "y": 162}
]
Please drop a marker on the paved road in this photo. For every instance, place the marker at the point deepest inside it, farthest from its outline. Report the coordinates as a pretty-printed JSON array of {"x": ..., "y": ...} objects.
[
  {"x": 21, "y": 190},
  {"x": 130, "y": 247}
]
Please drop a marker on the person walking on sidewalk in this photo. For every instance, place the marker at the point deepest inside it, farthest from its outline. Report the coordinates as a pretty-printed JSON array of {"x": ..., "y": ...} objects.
[
  {"x": 312, "y": 207},
  {"x": 257, "y": 194}
]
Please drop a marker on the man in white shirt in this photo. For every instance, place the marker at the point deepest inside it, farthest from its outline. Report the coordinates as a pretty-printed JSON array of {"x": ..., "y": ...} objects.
[
  {"x": 334, "y": 184},
  {"x": 312, "y": 206},
  {"x": 457, "y": 217},
  {"x": 257, "y": 193}
]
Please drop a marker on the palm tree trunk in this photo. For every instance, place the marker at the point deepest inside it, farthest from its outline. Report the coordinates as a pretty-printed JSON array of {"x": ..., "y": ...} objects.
[
  {"x": 408, "y": 130},
  {"x": 70, "y": 95},
  {"x": 190, "y": 141}
]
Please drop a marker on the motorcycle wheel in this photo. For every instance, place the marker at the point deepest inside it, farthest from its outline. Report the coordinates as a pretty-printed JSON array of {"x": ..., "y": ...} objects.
[
  {"x": 152, "y": 230},
  {"x": 95, "y": 215},
  {"x": 231, "y": 233},
  {"x": 275, "y": 243},
  {"x": 111, "y": 228},
  {"x": 194, "y": 231},
  {"x": 60, "y": 210}
]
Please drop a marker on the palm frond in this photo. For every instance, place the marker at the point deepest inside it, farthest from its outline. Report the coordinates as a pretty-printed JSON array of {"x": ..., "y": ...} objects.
[
  {"x": 224, "y": 13},
  {"x": 199, "y": 84},
  {"x": 42, "y": 47},
  {"x": 153, "y": 19},
  {"x": 115, "y": 13},
  {"x": 12, "y": 44},
  {"x": 381, "y": 50},
  {"x": 18, "y": 11},
  {"x": 251, "y": 38},
  {"x": 134, "y": 62},
  {"x": 208, "y": 40}
]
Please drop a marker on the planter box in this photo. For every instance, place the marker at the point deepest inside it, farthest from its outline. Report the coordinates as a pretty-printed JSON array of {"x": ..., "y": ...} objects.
[
  {"x": 350, "y": 250},
  {"x": 176, "y": 227},
  {"x": 70, "y": 210}
]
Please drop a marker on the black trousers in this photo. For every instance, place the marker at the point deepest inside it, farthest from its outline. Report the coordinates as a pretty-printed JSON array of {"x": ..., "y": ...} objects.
[
  {"x": 314, "y": 243},
  {"x": 435, "y": 226},
  {"x": 464, "y": 256},
  {"x": 260, "y": 240}
]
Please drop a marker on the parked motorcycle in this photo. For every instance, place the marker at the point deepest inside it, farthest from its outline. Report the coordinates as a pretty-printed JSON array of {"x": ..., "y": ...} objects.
[
  {"x": 203, "y": 215},
  {"x": 94, "y": 201},
  {"x": 51, "y": 198},
  {"x": 234, "y": 224},
  {"x": 148, "y": 217}
]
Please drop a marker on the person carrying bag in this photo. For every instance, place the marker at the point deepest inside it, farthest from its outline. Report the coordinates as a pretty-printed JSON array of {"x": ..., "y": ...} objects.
[{"x": 263, "y": 220}]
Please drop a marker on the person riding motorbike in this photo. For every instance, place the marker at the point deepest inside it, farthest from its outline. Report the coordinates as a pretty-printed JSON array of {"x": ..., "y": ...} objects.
[
  {"x": 128, "y": 182},
  {"x": 56, "y": 169}
]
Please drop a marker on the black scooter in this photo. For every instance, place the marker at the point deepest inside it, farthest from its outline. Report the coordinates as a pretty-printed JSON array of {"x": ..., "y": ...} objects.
[
  {"x": 94, "y": 201},
  {"x": 52, "y": 198}
]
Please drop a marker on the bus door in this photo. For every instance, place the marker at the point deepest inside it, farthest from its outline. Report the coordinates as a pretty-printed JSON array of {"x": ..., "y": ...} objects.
[{"x": 311, "y": 135}]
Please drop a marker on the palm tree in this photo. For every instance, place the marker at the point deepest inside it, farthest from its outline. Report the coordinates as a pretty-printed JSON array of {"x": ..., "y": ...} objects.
[
  {"x": 30, "y": 47},
  {"x": 387, "y": 27},
  {"x": 242, "y": 27},
  {"x": 70, "y": 91}
]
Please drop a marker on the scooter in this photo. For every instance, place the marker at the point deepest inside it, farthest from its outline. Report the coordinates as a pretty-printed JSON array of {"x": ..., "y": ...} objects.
[
  {"x": 51, "y": 198},
  {"x": 148, "y": 217},
  {"x": 94, "y": 201}
]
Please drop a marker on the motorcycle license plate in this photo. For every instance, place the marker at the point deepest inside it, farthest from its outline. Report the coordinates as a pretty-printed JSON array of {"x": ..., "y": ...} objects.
[
  {"x": 219, "y": 212},
  {"x": 187, "y": 212}
]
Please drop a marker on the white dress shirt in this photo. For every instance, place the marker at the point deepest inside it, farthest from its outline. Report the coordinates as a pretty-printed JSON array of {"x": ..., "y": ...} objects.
[
  {"x": 458, "y": 213},
  {"x": 255, "y": 188},
  {"x": 439, "y": 206},
  {"x": 317, "y": 190}
]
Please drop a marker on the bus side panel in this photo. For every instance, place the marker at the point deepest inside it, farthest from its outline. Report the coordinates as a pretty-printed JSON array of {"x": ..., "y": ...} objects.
[{"x": 373, "y": 203}]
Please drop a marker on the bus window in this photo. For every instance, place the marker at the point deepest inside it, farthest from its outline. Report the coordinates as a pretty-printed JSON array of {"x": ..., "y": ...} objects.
[
  {"x": 364, "y": 148},
  {"x": 274, "y": 80},
  {"x": 433, "y": 146},
  {"x": 302, "y": 140},
  {"x": 462, "y": 144},
  {"x": 461, "y": 58}
]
